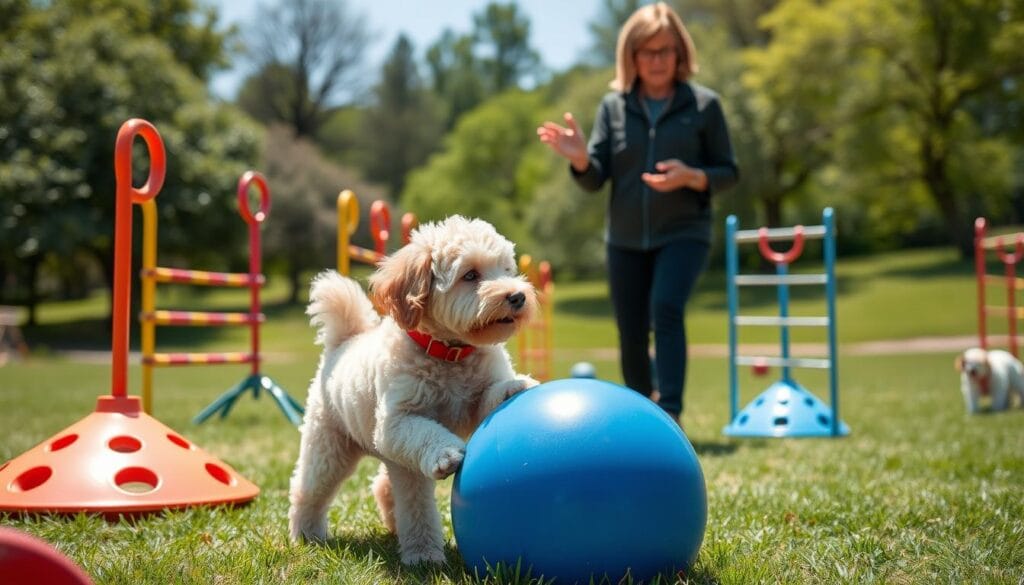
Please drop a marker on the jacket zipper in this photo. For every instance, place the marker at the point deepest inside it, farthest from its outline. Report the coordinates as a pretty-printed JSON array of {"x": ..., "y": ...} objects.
[{"x": 651, "y": 134}]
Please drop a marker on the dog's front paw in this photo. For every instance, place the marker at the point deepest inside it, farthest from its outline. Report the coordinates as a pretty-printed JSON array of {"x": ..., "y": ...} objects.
[
  {"x": 423, "y": 554},
  {"x": 308, "y": 529},
  {"x": 527, "y": 381},
  {"x": 519, "y": 384},
  {"x": 446, "y": 462}
]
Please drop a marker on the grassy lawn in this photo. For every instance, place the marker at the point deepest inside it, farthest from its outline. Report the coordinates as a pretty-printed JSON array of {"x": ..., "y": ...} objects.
[{"x": 918, "y": 493}]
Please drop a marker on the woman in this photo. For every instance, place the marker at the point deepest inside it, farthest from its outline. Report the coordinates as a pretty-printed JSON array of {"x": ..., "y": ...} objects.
[{"x": 662, "y": 140}]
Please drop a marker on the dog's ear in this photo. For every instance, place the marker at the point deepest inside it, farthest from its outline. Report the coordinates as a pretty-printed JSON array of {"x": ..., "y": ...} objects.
[
  {"x": 401, "y": 285},
  {"x": 958, "y": 363}
]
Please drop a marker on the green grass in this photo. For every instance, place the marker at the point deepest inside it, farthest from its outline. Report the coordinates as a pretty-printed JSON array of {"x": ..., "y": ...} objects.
[{"x": 918, "y": 493}]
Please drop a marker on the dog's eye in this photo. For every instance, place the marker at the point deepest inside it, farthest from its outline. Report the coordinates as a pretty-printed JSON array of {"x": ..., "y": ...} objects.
[{"x": 471, "y": 276}]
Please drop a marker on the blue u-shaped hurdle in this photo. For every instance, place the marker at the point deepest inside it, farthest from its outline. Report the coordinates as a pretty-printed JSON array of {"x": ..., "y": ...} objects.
[{"x": 785, "y": 409}]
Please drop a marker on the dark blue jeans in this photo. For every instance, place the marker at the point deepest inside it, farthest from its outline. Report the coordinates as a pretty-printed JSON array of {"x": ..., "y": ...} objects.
[{"x": 649, "y": 289}]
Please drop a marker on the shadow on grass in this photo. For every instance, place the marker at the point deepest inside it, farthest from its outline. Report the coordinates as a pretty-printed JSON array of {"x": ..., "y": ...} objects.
[
  {"x": 714, "y": 448},
  {"x": 940, "y": 267},
  {"x": 383, "y": 548}
]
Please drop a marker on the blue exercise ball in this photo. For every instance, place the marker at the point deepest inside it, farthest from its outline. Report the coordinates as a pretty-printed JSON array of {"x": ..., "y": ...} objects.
[{"x": 578, "y": 478}]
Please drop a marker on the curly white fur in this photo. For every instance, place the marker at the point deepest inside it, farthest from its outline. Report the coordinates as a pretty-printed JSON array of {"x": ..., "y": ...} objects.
[
  {"x": 376, "y": 392},
  {"x": 993, "y": 372}
]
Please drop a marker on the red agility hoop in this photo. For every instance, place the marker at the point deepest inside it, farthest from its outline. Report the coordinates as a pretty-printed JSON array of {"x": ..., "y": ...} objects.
[
  {"x": 1018, "y": 252},
  {"x": 781, "y": 257},
  {"x": 244, "y": 207}
]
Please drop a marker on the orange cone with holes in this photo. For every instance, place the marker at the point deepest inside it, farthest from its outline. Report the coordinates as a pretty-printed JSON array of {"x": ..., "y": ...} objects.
[{"x": 120, "y": 460}]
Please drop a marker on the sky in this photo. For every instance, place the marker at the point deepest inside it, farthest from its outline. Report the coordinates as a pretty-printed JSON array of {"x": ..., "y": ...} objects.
[{"x": 559, "y": 29}]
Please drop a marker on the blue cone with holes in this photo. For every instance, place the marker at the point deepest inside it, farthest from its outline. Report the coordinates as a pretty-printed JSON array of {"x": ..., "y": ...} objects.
[{"x": 786, "y": 409}]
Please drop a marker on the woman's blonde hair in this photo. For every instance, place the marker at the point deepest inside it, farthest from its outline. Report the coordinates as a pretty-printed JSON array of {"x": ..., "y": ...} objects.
[{"x": 646, "y": 22}]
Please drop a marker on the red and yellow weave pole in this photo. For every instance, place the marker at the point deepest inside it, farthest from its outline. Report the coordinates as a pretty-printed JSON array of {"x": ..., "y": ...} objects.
[
  {"x": 152, "y": 274},
  {"x": 380, "y": 231},
  {"x": 126, "y": 195},
  {"x": 535, "y": 341},
  {"x": 982, "y": 245}
]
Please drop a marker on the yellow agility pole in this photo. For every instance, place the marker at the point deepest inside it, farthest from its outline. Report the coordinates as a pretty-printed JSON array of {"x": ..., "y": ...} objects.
[
  {"x": 348, "y": 221},
  {"x": 148, "y": 327},
  {"x": 380, "y": 222}
]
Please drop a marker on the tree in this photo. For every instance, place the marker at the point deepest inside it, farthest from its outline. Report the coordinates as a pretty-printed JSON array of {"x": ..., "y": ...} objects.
[
  {"x": 479, "y": 172},
  {"x": 794, "y": 121},
  {"x": 566, "y": 222},
  {"x": 496, "y": 56},
  {"x": 605, "y": 30},
  {"x": 455, "y": 74},
  {"x": 741, "y": 19},
  {"x": 72, "y": 74},
  {"x": 403, "y": 126},
  {"x": 301, "y": 232},
  {"x": 936, "y": 59},
  {"x": 505, "y": 35},
  {"x": 319, "y": 44}
]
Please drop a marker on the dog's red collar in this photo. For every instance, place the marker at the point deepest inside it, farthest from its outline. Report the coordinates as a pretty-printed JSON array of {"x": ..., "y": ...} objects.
[{"x": 438, "y": 349}]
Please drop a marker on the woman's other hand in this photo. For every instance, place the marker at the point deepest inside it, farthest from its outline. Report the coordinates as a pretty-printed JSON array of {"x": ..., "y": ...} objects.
[
  {"x": 567, "y": 141},
  {"x": 674, "y": 174}
]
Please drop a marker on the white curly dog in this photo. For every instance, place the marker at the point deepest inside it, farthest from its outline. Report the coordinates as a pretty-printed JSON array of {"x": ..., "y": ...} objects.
[
  {"x": 409, "y": 387},
  {"x": 991, "y": 373}
]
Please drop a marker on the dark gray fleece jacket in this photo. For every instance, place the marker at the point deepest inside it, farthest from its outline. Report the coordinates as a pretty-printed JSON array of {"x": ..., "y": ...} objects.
[{"x": 625, "y": 143}]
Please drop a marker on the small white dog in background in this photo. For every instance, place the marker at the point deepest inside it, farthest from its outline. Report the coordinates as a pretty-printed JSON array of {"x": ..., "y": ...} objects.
[
  {"x": 992, "y": 372},
  {"x": 408, "y": 388}
]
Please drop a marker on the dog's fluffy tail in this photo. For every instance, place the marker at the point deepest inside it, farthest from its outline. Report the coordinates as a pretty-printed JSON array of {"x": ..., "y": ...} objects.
[{"x": 338, "y": 308}]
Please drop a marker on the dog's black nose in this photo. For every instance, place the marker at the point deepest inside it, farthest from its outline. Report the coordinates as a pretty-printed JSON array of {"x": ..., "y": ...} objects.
[{"x": 517, "y": 300}]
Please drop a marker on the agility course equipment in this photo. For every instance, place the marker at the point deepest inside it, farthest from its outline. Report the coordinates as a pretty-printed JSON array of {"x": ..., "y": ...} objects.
[
  {"x": 150, "y": 317},
  {"x": 570, "y": 479},
  {"x": 1009, "y": 279},
  {"x": 119, "y": 459},
  {"x": 785, "y": 409},
  {"x": 380, "y": 231},
  {"x": 28, "y": 559},
  {"x": 535, "y": 339}
]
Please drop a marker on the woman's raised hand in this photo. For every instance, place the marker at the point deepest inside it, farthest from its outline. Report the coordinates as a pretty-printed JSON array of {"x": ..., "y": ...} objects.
[{"x": 567, "y": 141}]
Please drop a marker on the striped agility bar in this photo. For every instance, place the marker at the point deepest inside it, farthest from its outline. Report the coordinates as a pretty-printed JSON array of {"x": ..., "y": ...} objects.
[{"x": 150, "y": 317}]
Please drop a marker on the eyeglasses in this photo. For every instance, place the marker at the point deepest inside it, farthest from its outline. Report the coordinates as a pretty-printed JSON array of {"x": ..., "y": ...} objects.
[{"x": 651, "y": 54}]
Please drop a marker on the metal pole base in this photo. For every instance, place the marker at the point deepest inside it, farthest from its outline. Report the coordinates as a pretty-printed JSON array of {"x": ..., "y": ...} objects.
[{"x": 288, "y": 405}]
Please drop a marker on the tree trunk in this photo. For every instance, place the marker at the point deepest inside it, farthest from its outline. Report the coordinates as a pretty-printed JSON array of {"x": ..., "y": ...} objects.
[
  {"x": 772, "y": 210},
  {"x": 106, "y": 260},
  {"x": 293, "y": 284},
  {"x": 33, "y": 289},
  {"x": 936, "y": 178}
]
